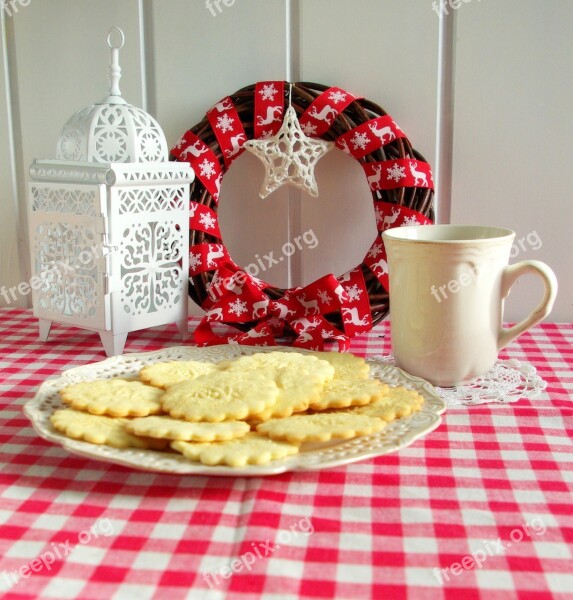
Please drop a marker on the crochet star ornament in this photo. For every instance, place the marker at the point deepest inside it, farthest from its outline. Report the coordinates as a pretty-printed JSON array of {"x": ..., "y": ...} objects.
[{"x": 289, "y": 157}]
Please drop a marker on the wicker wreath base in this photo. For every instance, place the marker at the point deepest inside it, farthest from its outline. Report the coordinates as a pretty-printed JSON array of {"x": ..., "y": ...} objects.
[{"x": 355, "y": 114}]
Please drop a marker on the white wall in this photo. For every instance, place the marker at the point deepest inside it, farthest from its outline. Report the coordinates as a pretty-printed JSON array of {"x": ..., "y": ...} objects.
[
  {"x": 387, "y": 52},
  {"x": 513, "y": 134},
  {"x": 512, "y": 127},
  {"x": 10, "y": 229}
]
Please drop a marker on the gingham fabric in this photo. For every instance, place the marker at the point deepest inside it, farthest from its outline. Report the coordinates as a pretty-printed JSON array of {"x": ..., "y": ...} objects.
[{"x": 480, "y": 508}]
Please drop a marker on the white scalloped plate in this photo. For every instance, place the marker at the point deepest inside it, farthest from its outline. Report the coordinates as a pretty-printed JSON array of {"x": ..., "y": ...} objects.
[{"x": 393, "y": 437}]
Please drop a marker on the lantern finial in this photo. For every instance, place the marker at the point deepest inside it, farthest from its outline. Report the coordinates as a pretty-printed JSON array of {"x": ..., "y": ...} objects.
[{"x": 114, "y": 68}]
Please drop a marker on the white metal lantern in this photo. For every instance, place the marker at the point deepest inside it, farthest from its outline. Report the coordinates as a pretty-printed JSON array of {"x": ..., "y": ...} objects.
[{"x": 109, "y": 223}]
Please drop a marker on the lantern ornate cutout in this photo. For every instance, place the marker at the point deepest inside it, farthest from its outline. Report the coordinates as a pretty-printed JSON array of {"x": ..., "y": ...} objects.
[{"x": 108, "y": 222}]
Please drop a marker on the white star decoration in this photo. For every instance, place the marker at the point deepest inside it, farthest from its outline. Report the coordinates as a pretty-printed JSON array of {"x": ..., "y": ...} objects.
[{"x": 289, "y": 157}]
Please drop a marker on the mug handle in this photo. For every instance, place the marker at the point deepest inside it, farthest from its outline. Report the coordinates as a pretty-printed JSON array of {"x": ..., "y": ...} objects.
[{"x": 511, "y": 275}]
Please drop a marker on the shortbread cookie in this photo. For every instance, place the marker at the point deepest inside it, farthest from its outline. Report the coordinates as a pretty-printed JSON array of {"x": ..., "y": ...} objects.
[
  {"x": 252, "y": 449},
  {"x": 113, "y": 397},
  {"x": 340, "y": 393},
  {"x": 99, "y": 429},
  {"x": 345, "y": 365},
  {"x": 175, "y": 429},
  {"x": 300, "y": 378},
  {"x": 220, "y": 396},
  {"x": 320, "y": 427},
  {"x": 397, "y": 403},
  {"x": 294, "y": 396},
  {"x": 298, "y": 363},
  {"x": 166, "y": 374}
]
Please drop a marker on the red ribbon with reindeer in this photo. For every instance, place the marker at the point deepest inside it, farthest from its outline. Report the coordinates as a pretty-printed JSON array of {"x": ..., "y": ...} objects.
[
  {"x": 193, "y": 150},
  {"x": 236, "y": 297},
  {"x": 269, "y": 108},
  {"x": 228, "y": 129},
  {"x": 369, "y": 136},
  {"x": 322, "y": 112}
]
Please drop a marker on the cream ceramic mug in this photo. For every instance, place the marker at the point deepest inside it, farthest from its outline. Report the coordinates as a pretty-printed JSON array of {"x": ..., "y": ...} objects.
[{"x": 447, "y": 289}]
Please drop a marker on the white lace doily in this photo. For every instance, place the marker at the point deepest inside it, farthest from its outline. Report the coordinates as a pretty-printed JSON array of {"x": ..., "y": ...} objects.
[{"x": 507, "y": 381}]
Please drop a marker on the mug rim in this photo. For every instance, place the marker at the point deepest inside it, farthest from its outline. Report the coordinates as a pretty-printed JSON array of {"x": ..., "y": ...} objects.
[{"x": 490, "y": 233}]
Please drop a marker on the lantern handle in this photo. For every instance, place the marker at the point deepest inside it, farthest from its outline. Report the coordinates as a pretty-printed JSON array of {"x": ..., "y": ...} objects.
[{"x": 109, "y": 38}]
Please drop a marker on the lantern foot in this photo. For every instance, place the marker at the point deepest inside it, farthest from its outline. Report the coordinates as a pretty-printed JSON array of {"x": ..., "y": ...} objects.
[
  {"x": 183, "y": 327},
  {"x": 113, "y": 344},
  {"x": 44, "y": 327}
]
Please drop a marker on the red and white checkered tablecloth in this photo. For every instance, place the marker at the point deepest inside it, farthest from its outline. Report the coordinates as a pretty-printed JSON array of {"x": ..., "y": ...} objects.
[{"x": 480, "y": 508}]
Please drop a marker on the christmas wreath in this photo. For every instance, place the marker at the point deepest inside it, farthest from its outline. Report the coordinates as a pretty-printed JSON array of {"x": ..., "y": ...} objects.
[{"x": 331, "y": 308}]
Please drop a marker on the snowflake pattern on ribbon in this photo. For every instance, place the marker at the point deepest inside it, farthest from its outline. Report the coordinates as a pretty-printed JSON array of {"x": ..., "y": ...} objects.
[
  {"x": 207, "y": 169},
  {"x": 194, "y": 261},
  {"x": 268, "y": 91},
  {"x": 207, "y": 220},
  {"x": 225, "y": 123},
  {"x": 238, "y": 307},
  {"x": 396, "y": 172},
  {"x": 337, "y": 96},
  {"x": 360, "y": 140}
]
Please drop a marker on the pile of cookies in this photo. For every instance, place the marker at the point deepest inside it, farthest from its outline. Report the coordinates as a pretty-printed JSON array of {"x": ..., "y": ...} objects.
[{"x": 250, "y": 410}]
